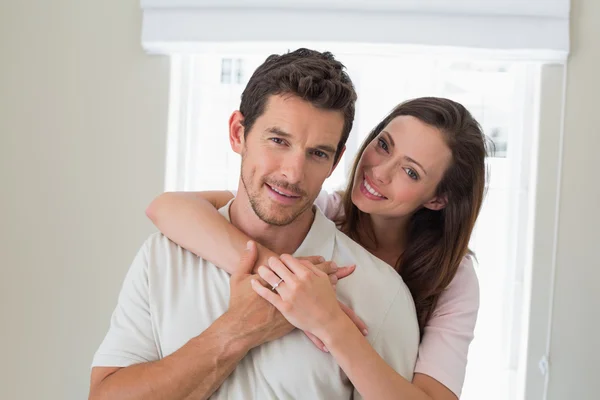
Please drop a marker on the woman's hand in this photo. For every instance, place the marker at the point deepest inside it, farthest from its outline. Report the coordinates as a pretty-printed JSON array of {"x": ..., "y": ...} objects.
[{"x": 304, "y": 294}]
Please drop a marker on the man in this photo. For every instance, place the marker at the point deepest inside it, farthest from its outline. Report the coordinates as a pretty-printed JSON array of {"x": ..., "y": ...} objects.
[{"x": 183, "y": 329}]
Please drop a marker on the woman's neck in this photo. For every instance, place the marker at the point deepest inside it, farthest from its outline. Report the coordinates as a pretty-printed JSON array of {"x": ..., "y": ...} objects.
[{"x": 390, "y": 236}]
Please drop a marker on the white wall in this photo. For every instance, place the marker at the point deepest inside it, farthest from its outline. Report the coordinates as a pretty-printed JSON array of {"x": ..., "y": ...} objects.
[
  {"x": 83, "y": 117},
  {"x": 575, "y": 354}
]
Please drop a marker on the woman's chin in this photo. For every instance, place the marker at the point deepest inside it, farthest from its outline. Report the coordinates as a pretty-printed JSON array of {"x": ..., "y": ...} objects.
[{"x": 361, "y": 202}]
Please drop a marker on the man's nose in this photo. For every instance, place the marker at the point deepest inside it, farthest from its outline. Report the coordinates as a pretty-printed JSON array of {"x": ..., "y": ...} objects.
[{"x": 293, "y": 167}]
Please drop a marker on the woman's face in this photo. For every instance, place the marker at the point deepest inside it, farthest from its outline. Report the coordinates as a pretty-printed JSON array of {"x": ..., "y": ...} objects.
[{"x": 399, "y": 171}]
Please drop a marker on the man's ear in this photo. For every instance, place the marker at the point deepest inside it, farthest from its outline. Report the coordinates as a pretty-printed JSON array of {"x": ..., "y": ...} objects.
[
  {"x": 337, "y": 162},
  {"x": 236, "y": 131},
  {"x": 437, "y": 203}
]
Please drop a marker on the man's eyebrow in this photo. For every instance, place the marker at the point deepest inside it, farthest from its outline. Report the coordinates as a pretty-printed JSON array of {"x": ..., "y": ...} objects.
[
  {"x": 281, "y": 133},
  {"x": 326, "y": 148}
]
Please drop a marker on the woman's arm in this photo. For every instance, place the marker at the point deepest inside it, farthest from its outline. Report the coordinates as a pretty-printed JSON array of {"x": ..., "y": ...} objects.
[
  {"x": 309, "y": 303},
  {"x": 192, "y": 220},
  {"x": 370, "y": 374}
]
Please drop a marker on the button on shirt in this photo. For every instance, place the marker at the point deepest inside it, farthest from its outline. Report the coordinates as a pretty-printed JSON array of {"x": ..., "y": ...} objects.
[{"x": 170, "y": 296}]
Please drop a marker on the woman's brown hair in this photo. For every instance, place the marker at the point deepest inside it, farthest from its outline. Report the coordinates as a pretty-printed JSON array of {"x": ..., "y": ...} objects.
[{"x": 436, "y": 241}]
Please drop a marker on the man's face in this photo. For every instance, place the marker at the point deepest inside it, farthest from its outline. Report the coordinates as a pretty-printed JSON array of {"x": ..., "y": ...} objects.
[{"x": 286, "y": 157}]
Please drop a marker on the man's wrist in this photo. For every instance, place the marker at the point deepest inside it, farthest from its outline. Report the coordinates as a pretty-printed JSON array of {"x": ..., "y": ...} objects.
[{"x": 232, "y": 336}]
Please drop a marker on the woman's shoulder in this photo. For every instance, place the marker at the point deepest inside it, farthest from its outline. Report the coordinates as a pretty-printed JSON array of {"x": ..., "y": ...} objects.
[
  {"x": 462, "y": 294},
  {"x": 449, "y": 332},
  {"x": 330, "y": 203}
]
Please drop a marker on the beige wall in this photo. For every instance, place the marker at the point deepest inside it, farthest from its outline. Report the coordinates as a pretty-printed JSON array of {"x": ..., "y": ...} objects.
[
  {"x": 575, "y": 354},
  {"x": 83, "y": 116}
]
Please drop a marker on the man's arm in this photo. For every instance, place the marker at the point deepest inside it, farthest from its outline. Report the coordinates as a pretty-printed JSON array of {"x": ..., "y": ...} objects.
[{"x": 197, "y": 369}]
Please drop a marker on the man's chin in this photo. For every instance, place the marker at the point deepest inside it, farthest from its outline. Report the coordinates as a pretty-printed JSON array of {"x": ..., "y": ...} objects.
[{"x": 276, "y": 219}]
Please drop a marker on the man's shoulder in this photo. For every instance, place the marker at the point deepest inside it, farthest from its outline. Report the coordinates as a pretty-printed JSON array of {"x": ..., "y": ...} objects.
[
  {"x": 344, "y": 244},
  {"x": 371, "y": 272},
  {"x": 378, "y": 294},
  {"x": 162, "y": 251}
]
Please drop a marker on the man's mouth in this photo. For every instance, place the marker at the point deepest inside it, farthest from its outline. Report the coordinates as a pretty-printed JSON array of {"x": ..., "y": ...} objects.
[{"x": 283, "y": 192}]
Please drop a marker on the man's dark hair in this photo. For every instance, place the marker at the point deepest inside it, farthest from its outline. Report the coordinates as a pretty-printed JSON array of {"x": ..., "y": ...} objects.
[{"x": 312, "y": 76}]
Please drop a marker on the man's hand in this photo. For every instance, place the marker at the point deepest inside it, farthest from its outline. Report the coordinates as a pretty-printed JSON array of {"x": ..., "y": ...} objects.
[
  {"x": 259, "y": 321},
  {"x": 329, "y": 267}
]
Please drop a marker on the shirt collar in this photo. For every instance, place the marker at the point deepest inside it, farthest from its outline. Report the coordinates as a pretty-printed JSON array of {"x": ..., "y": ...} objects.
[{"x": 318, "y": 242}]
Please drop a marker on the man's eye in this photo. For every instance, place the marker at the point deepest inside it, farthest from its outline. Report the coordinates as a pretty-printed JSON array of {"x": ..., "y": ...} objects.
[
  {"x": 320, "y": 154},
  {"x": 277, "y": 140}
]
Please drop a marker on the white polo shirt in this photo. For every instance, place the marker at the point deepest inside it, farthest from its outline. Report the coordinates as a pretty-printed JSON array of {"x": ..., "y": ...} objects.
[{"x": 170, "y": 296}]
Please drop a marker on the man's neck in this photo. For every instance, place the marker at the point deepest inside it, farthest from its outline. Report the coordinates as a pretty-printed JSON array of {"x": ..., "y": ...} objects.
[{"x": 280, "y": 239}]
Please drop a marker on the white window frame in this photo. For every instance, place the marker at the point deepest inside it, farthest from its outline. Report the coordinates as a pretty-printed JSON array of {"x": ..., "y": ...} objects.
[
  {"x": 546, "y": 168},
  {"x": 533, "y": 366}
]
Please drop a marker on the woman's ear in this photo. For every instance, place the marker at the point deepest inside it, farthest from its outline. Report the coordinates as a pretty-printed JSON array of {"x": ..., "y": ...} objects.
[
  {"x": 236, "y": 131},
  {"x": 437, "y": 203}
]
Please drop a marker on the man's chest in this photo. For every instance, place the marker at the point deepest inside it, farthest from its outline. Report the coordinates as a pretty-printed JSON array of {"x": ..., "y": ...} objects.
[{"x": 187, "y": 301}]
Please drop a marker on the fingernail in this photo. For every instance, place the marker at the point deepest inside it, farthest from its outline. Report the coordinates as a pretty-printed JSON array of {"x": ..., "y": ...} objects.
[
  {"x": 321, "y": 259},
  {"x": 248, "y": 244},
  {"x": 325, "y": 349},
  {"x": 365, "y": 332}
]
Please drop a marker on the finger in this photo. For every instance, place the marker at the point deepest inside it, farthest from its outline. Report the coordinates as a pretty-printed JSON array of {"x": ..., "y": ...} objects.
[
  {"x": 343, "y": 272},
  {"x": 282, "y": 270},
  {"x": 333, "y": 279},
  {"x": 269, "y": 276},
  {"x": 313, "y": 259},
  {"x": 261, "y": 280},
  {"x": 316, "y": 341},
  {"x": 357, "y": 321},
  {"x": 267, "y": 294},
  {"x": 247, "y": 260},
  {"x": 295, "y": 266},
  {"x": 328, "y": 267}
]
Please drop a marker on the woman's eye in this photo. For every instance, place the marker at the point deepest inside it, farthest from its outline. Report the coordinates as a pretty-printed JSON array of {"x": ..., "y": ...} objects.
[
  {"x": 412, "y": 174},
  {"x": 382, "y": 144}
]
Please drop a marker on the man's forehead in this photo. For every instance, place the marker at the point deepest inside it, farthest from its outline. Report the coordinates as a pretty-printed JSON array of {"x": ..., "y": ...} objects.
[{"x": 291, "y": 115}]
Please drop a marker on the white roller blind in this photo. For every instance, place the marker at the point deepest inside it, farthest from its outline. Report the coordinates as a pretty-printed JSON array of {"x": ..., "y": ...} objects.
[{"x": 532, "y": 26}]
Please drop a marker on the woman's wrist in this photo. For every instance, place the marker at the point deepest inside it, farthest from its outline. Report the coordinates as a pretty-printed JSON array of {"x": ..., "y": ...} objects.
[
  {"x": 338, "y": 326},
  {"x": 263, "y": 256}
]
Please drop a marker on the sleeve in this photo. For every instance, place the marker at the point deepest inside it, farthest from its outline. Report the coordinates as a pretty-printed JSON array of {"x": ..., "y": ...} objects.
[
  {"x": 329, "y": 204},
  {"x": 130, "y": 338},
  {"x": 449, "y": 332},
  {"x": 397, "y": 340}
]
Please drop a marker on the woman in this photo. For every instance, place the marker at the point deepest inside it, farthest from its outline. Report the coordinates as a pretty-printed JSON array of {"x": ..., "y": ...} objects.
[{"x": 415, "y": 192}]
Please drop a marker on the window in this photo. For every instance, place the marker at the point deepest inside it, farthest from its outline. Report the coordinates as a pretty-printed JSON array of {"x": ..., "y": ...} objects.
[
  {"x": 502, "y": 96},
  {"x": 232, "y": 71}
]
